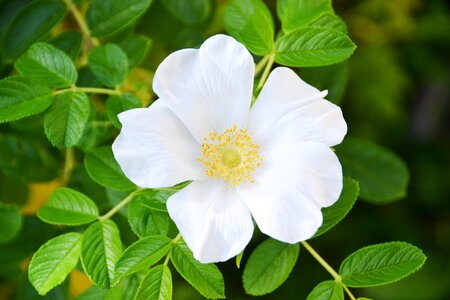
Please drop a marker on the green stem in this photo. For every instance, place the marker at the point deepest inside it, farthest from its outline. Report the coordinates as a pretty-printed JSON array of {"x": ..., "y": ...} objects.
[
  {"x": 327, "y": 267},
  {"x": 122, "y": 203},
  {"x": 81, "y": 22},
  {"x": 266, "y": 72},
  {"x": 261, "y": 64},
  {"x": 88, "y": 90},
  {"x": 174, "y": 241},
  {"x": 68, "y": 164}
]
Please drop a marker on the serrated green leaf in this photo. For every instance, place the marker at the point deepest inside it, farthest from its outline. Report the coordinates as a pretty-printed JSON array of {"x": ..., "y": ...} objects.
[
  {"x": 251, "y": 23},
  {"x": 205, "y": 278},
  {"x": 136, "y": 48},
  {"x": 21, "y": 97},
  {"x": 66, "y": 119},
  {"x": 327, "y": 290},
  {"x": 108, "y": 17},
  {"x": 119, "y": 103},
  {"x": 331, "y": 21},
  {"x": 109, "y": 64},
  {"x": 47, "y": 65},
  {"x": 129, "y": 287},
  {"x": 103, "y": 168},
  {"x": 269, "y": 266},
  {"x": 298, "y": 13},
  {"x": 142, "y": 254},
  {"x": 382, "y": 175},
  {"x": 335, "y": 213},
  {"x": 10, "y": 222},
  {"x": 52, "y": 263},
  {"x": 69, "y": 42},
  {"x": 100, "y": 250},
  {"x": 155, "y": 199},
  {"x": 31, "y": 23},
  {"x": 156, "y": 285},
  {"x": 68, "y": 207},
  {"x": 381, "y": 264},
  {"x": 146, "y": 221},
  {"x": 189, "y": 12},
  {"x": 313, "y": 47}
]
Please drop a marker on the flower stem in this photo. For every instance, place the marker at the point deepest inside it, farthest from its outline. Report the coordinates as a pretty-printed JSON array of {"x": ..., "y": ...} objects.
[
  {"x": 88, "y": 90},
  {"x": 81, "y": 22},
  {"x": 266, "y": 72},
  {"x": 122, "y": 203},
  {"x": 327, "y": 267},
  {"x": 261, "y": 64}
]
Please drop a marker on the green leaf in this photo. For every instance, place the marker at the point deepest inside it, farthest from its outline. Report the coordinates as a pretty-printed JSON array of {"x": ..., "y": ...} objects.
[
  {"x": 21, "y": 97},
  {"x": 66, "y": 119},
  {"x": 129, "y": 287},
  {"x": 269, "y": 266},
  {"x": 298, "y": 13},
  {"x": 136, "y": 48},
  {"x": 313, "y": 47},
  {"x": 155, "y": 199},
  {"x": 239, "y": 259},
  {"x": 382, "y": 175},
  {"x": 109, "y": 64},
  {"x": 335, "y": 213},
  {"x": 103, "y": 168},
  {"x": 69, "y": 42},
  {"x": 251, "y": 23},
  {"x": 205, "y": 278},
  {"x": 10, "y": 222},
  {"x": 142, "y": 254},
  {"x": 143, "y": 219},
  {"x": 156, "y": 285},
  {"x": 108, "y": 17},
  {"x": 100, "y": 250},
  {"x": 119, "y": 103},
  {"x": 327, "y": 290},
  {"x": 52, "y": 263},
  {"x": 381, "y": 264},
  {"x": 33, "y": 22},
  {"x": 48, "y": 66},
  {"x": 68, "y": 207},
  {"x": 189, "y": 12},
  {"x": 330, "y": 21}
]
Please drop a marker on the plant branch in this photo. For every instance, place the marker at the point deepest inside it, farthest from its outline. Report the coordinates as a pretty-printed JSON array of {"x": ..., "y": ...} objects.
[
  {"x": 69, "y": 163},
  {"x": 88, "y": 90},
  {"x": 81, "y": 22},
  {"x": 261, "y": 64},
  {"x": 122, "y": 203},
  {"x": 266, "y": 72}
]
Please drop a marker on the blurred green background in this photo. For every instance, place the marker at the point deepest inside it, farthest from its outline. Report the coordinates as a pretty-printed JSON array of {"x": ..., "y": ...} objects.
[{"x": 397, "y": 94}]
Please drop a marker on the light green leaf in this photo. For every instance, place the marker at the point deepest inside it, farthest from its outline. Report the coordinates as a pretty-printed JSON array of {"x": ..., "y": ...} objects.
[
  {"x": 381, "y": 264},
  {"x": 335, "y": 213},
  {"x": 269, "y": 266},
  {"x": 21, "y": 97},
  {"x": 189, "y": 12},
  {"x": 10, "y": 222},
  {"x": 103, "y": 168},
  {"x": 156, "y": 285},
  {"x": 68, "y": 207},
  {"x": 119, "y": 103},
  {"x": 33, "y": 22},
  {"x": 100, "y": 250},
  {"x": 109, "y": 64},
  {"x": 154, "y": 198},
  {"x": 382, "y": 175},
  {"x": 298, "y": 13},
  {"x": 69, "y": 42},
  {"x": 327, "y": 290},
  {"x": 205, "y": 278},
  {"x": 330, "y": 21},
  {"x": 66, "y": 119},
  {"x": 239, "y": 259},
  {"x": 48, "y": 66},
  {"x": 129, "y": 287},
  {"x": 136, "y": 48},
  {"x": 313, "y": 47},
  {"x": 108, "y": 17},
  {"x": 251, "y": 23},
  {"x": 52, "y": 263},
  {"x": 142, "y": 254}
]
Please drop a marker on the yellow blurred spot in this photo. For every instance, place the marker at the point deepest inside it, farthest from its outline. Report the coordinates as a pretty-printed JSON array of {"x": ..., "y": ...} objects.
[
  {"x": 139, "y": 82},
  {"x": 39, "y": 193},
  {"x": 79, "y": 283}
]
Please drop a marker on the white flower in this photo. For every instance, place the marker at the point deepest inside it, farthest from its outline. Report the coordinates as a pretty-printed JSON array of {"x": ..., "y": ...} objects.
[{"x": 272, "y": 161}]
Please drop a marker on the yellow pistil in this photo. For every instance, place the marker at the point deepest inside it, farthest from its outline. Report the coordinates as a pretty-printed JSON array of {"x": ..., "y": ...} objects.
[{"x": 231, "y": 155}]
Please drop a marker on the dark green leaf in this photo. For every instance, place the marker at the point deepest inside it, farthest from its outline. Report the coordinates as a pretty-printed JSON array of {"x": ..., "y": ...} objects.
[
  {"x": 119, "y": 103},
  {"x": 68, "y": 207},
  {"x": 251, "y": 23},
  {"x": 69, "y": 42},
  {"x": 298, "y": 13},
  {"x": 313, "y": 47},
  {"x": 155, "y": 199},
  {"x": 335, "y": 213},
  {"x": 100, "y": 250},
  {"x": 327, "y": 290},
  {"x": 189, "y": 12},
  {"x": 108, "y": 17},
  {"x": 143, "y": 219},
  {"x": 381, "y": 264},
  {"x": 136, "y": 48},
  {"x": 330, "y": 21},
  {"x": 10, "y": 222},
  {"x": 109, "y": 64},
  {"x": 13, "y": 190},
  {"x": 21, "y": 97},
  {"x": 53, "y": 261},
  {"x": 156, "y": 285},
  {"x": 103, "y": 168},
  {"x": 382, "y": 175},
  {"x": 269, "y": 266},
  {"x": 205, "y": 278},
  {"x": 32, "y": 22},
  {"x": 66, "y": 119}
]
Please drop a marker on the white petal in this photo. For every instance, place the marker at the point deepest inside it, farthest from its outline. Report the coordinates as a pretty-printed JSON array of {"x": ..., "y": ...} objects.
[
  {"x": 288, "y": 104},
  {"x": 292, "y": 184},
  {"x": 154, "y": 149},
  {"x": 209, "y": 89},
  {"x": 212, "y": 218}
]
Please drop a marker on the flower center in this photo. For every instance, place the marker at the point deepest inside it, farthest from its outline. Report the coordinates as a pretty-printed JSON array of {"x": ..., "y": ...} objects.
[{"x": 231, "y": 155}]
